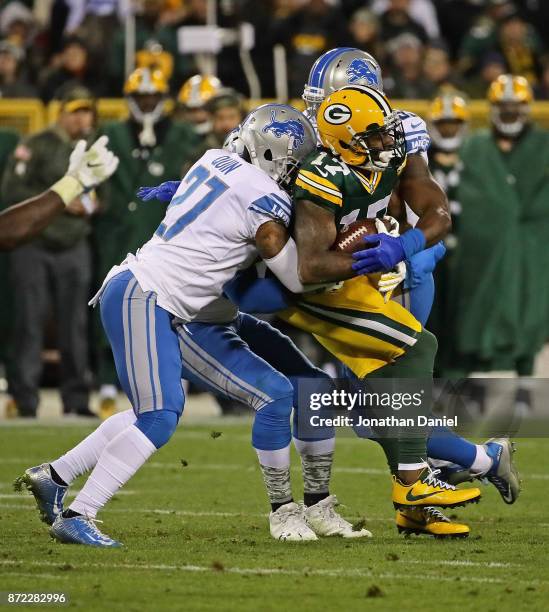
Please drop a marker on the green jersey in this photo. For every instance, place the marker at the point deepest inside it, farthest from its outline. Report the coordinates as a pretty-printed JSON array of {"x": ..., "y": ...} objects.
[{"x": 349, "y": 193}]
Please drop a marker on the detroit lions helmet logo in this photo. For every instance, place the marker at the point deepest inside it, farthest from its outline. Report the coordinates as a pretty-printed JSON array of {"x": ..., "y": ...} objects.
[
  {"x": 292, "y": 128},
  {"x": 359, "y": 70}
]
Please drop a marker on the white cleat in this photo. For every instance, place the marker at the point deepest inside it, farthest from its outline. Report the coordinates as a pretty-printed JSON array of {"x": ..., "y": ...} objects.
[
  {"x": 324, "y": 520},
  {"x": 288, "y": 524}
]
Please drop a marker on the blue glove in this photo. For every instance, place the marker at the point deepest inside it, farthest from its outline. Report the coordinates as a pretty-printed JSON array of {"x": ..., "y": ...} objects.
[
  {"x": 257, "y": 295},
  {"x": 163, "y": 192},
  {"x": 390, "y": 250},
  {"x": 420, "y": 265}
]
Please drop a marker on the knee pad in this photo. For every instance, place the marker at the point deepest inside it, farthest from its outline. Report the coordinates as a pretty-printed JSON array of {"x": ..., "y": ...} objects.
[
  {"x": 158, "y": 425},
  {"x": 271, "y": 429}
]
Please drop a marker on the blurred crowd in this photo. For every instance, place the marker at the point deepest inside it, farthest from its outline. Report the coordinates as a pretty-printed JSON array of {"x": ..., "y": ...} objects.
[
  {"x": 421, "y": 44},
  {"x": 497, "y": 179}
]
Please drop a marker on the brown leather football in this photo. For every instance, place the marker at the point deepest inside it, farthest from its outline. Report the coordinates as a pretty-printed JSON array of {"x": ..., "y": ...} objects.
[{"x": 350, "y": 240}]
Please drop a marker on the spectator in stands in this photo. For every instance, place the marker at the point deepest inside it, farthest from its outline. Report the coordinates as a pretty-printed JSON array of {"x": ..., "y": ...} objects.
[
  {"x": 156, "y": 48},
  {"x": 492, "y": 66},
  {"x": 437, "y": 69},
  {"x": 316, "y": 27},
  {"x": 365, "y": 31},
  {"x": 17, "y": 24},
  {"x": 95, "y": 21},
  {"x": 396, "y": 21},
  {"x": 455, "y": 18},
  {"x": 406, "y": 60},
  {"x": 269, "y": 19},
  {"x": 18, "y": 27},
  {"x": 55, "y": 268},
  {"x": 71, "y": 65},
  {"x": 501, "y": 304},
  {"x": 481, "y": 37},
  {"x": 421, "y": 11},
  {"x": 13, "y": 81},
  {"x": 521, "y": 47},
  {"x": 152, "y": 149}
]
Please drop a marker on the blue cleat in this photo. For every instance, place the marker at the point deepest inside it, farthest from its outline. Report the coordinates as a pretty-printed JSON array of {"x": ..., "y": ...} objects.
[
  {"x": 503, "y": 474},
  {"x": 80, "y": 530},
  {"x": 48, "y": 494}
]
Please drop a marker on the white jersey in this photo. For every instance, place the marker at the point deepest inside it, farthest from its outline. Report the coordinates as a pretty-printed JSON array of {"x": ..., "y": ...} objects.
[
  {"x": 207, "y": 236},
  {"x": 415, "y": 132}
]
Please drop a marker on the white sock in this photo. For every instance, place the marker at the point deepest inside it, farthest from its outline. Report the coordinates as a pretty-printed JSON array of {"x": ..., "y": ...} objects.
[
  {"x": 482, "y": 462},
  {"x": 274, "y": 458},
  {"x": 119, "y": 461},
  {"x": 83, "y": 457},
  {"x": 411, "y": 467}
]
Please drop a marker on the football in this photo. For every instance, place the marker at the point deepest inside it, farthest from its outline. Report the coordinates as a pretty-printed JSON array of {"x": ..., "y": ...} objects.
[{"x": 349, "y": 239}]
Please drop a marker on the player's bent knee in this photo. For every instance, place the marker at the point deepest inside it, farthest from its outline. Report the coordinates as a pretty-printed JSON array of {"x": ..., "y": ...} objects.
[
  {"x": 158, "y": 425},
  {"x": 278, "y": 388},
  {"x": 271, "y": 429}
]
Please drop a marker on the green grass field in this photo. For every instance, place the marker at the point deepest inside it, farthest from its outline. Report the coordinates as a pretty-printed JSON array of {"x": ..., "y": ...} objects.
[{"x": 196, "y": 536}]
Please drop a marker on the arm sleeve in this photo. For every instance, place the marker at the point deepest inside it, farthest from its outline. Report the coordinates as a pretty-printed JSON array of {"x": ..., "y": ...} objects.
[{"x": 416, "y": 134}]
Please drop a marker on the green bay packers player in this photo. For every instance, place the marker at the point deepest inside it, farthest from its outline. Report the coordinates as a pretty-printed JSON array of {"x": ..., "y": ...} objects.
[{"x": 362, "y": 160}]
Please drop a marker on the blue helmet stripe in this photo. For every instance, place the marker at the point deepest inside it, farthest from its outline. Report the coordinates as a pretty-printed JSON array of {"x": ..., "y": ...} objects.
[{"x": 321, "y": 64}]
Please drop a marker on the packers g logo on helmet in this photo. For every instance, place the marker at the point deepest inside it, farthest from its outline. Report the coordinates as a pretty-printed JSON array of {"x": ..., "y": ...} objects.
[
  {"x": 337, "y": 113},
  {"x": 357, "y": 124}
]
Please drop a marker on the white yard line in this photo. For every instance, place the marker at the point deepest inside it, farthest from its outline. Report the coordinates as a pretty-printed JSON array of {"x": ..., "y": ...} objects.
[
  {"x": 72, "y": 492},
  {"x": 249, "y": 467},
  {"x": 332, "y": 572},
  {"x": 34, "y": 575}
]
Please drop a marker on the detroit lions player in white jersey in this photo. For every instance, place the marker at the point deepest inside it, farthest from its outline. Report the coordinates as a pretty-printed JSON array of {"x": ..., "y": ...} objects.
[{"x": 165, "y": 316}]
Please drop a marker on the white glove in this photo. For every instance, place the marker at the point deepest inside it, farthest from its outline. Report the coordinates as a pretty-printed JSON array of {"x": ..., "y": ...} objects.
[
  {"x": 380, "y": 226},
  {"x": 92, "y": 167},
  {"x": 389, "y": 281},
  {"x": 87, "y": 169}
]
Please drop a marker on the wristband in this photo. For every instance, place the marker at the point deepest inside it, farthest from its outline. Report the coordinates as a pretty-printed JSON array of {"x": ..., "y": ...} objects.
[
  {"x": 413, "y": 241},
  {"x": 67, "y": 188}
]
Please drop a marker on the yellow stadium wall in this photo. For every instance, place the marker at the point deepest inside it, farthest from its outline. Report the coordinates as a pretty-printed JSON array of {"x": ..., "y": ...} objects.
[{"x": 28, "y": 116}]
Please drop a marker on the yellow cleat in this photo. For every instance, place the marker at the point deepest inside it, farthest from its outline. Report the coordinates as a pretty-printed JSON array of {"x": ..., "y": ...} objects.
[
  {"x": 107, "y": 407},
  {"x": 429, "y": 521},
  {"x": 428, "y": 490}
]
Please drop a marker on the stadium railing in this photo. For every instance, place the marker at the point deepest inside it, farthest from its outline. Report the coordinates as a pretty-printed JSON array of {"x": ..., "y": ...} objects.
[{"x": 30, "y": 115}]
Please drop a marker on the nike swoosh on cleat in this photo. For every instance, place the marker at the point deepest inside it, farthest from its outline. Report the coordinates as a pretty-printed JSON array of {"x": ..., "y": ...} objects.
[{"x": 411, "y": 497}]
